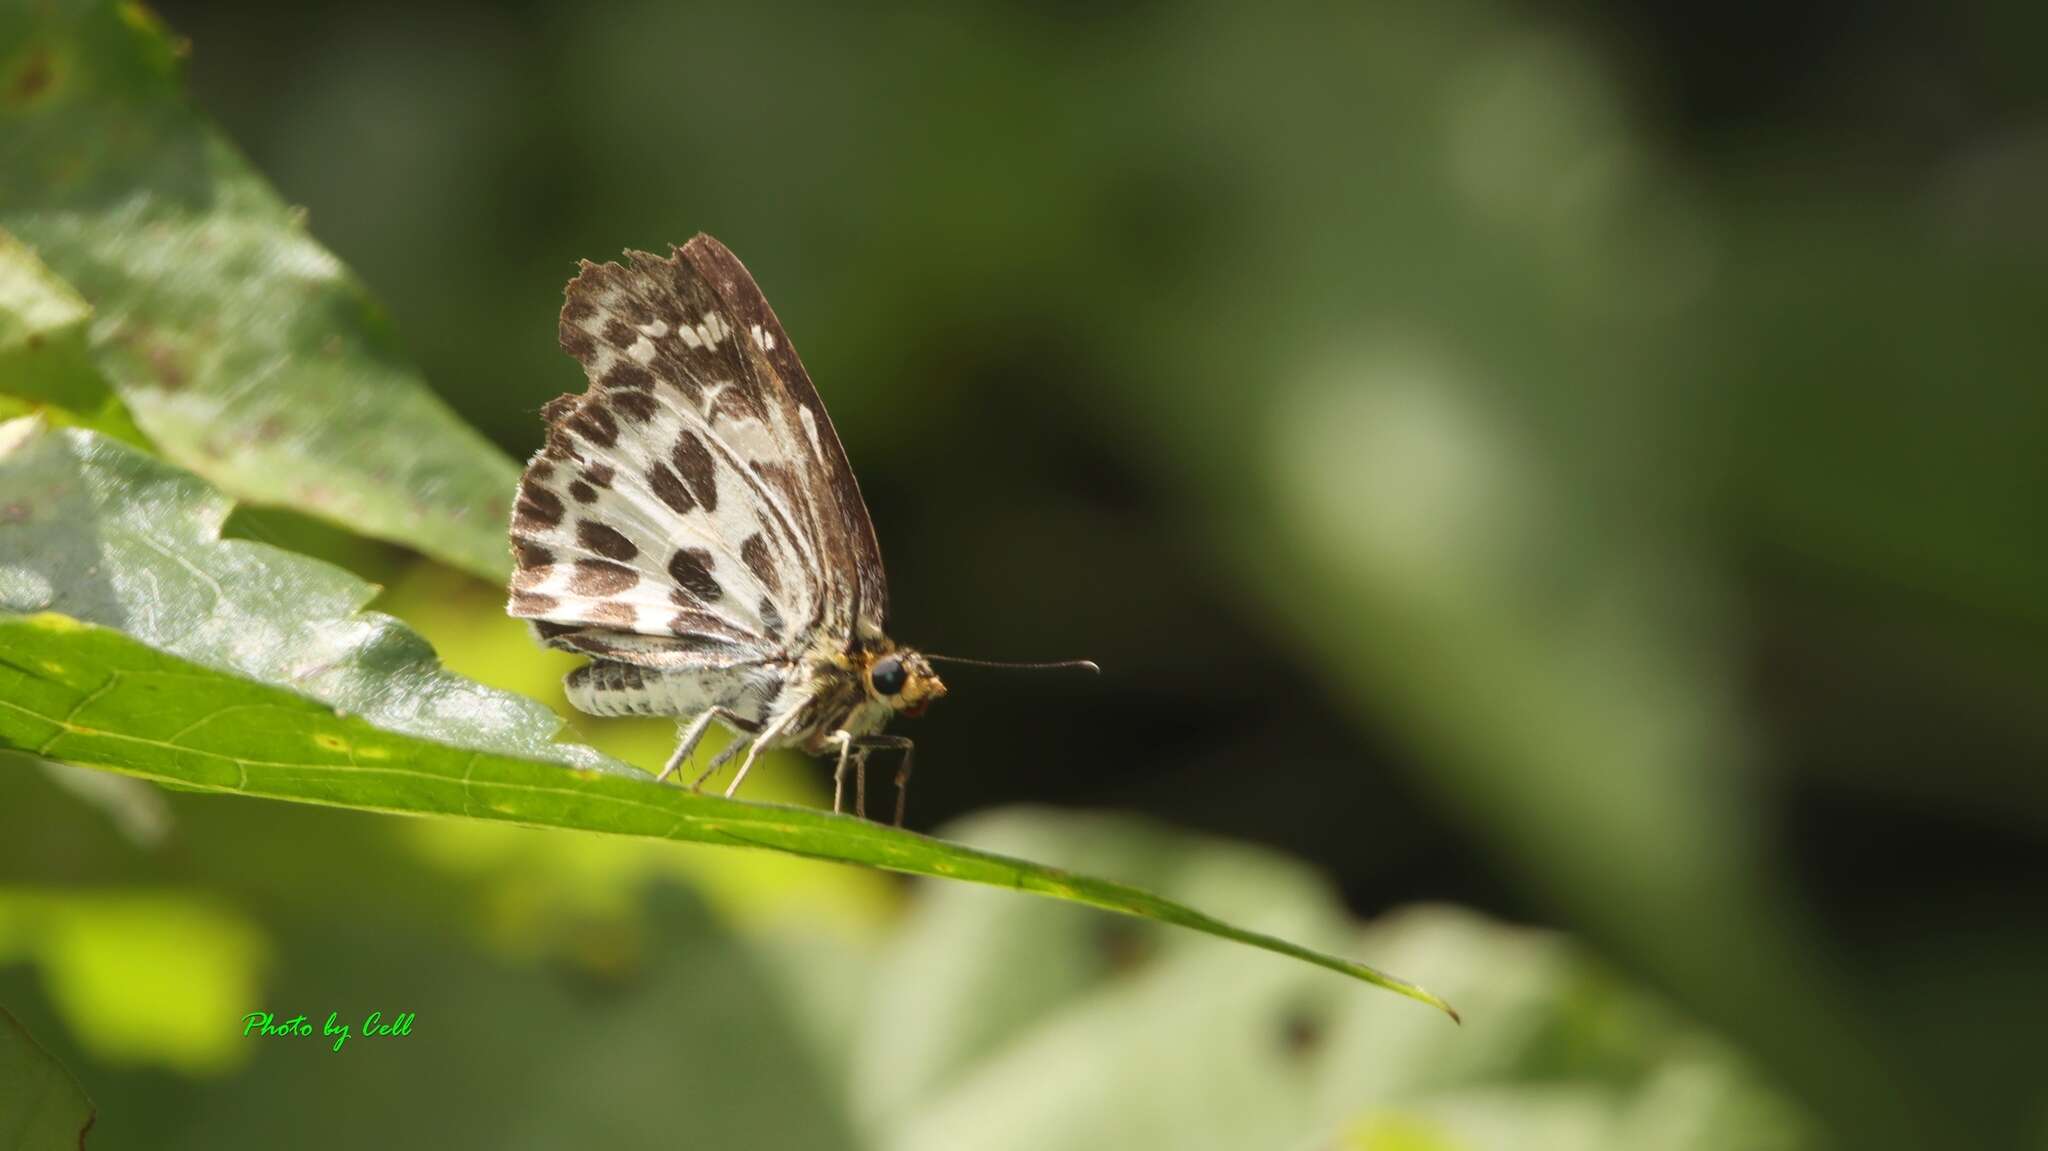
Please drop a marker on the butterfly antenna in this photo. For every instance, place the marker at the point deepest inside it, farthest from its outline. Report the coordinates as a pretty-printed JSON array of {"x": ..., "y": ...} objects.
[{"x": 1042, "y": 665}]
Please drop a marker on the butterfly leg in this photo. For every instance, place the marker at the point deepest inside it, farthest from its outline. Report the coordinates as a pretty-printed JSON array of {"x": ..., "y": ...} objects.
[
  {"x": 723, "y": 757},
  {"x": 845, "y": 741},
  {"x": 767, "y": 736},
  {"x": 907, "y": 746},
  {"x": 860, "y": 783},
  {"x": 687, "y": 739}
]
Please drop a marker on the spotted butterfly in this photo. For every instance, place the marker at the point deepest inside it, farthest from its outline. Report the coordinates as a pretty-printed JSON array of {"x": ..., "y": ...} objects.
[{"x": 692, "y": 523}]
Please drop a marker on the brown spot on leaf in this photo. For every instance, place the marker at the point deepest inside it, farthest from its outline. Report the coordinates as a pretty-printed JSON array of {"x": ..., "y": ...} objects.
[
  {"x": 163, "y": 362},
  {"x": 33, "y": 79}
]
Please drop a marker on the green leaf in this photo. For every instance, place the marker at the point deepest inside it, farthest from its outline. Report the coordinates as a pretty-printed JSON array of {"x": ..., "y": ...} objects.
[
  {"x": 89, "y": 695},
  {"x": 251, "y": 670},
  {"x": 244, "y": 349},
  {"x": 44, "y": 363},
  {"x": 104, "y": 533},
  {"x": 42, "y": 1108}
]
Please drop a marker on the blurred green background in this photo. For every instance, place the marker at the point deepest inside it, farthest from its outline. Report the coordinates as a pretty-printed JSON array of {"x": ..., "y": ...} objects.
[{"x": 1582, "y": 463}]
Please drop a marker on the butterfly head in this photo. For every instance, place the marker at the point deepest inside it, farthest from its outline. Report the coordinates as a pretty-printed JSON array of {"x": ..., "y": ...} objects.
[{"x": 903, "y": 680}]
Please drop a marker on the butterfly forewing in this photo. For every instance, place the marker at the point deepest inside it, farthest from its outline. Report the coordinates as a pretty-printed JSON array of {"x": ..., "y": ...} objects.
[
  {"x": 812, "y": 465},
  {"x": 693, "y": 507}
]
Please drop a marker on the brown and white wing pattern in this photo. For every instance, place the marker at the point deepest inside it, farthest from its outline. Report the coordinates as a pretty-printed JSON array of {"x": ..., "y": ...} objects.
[
  {"x": 800, "y": 459},
  {"x": 688, "y": 509}
]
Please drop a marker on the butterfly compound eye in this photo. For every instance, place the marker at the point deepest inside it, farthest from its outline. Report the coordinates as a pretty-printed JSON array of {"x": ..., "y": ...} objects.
[{"x": 887, "y": 675}]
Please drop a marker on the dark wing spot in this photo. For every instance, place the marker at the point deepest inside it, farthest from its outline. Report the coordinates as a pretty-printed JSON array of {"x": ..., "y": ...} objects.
[
  {"x": 691, "y": 569},
  {"x": 612, "y": 614},
  {"x": 548, "y": 629},
  {"x": 526, "y": 603},
  {"x": 635, "y": 406},
  {"x": 599, "y": 475},
  {"x": 667, "y": 485},
  {"x": 595, "y": 424},
  {"x": 526, "y": 579},
  {"x": 537, "y": 508},
  {"x": 532, "y": 555},
  {"x": 699, "y": 470},
  {"x": 755, "y": 553},
  {"x": 583, "y": 492},
  {"x": 557, "y": 409},
  {"x": 575, "y": 340},
  {"x": 601, "y": 577},
  {"x": 605, "y": 540},
  {"x": 771, "y": 619},
  {"x": 578, "y": 307},
  {"x": 618, "y": 334},
  {"x": 624, "y": 376},
  {"x": 682, "y": 365},
  {"x": 540, "y": 470}
]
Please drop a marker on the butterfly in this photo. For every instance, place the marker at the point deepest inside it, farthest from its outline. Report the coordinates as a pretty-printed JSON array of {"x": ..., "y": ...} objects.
[{"x": 692, "y": 523}]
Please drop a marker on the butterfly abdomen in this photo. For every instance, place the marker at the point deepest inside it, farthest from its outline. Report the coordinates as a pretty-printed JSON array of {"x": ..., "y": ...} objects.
[
  {"x": 606, "y": 688},
  {"x": 610, "y": 687}
]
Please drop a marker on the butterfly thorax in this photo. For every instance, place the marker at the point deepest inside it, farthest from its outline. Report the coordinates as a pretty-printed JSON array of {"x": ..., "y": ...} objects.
[{"x": 858, "y": 692}]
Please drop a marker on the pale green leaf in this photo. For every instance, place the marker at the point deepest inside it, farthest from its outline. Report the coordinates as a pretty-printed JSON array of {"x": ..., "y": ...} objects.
[
  {"x": 44, "y": 363},
  {"x": 245, "y": 350}
]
